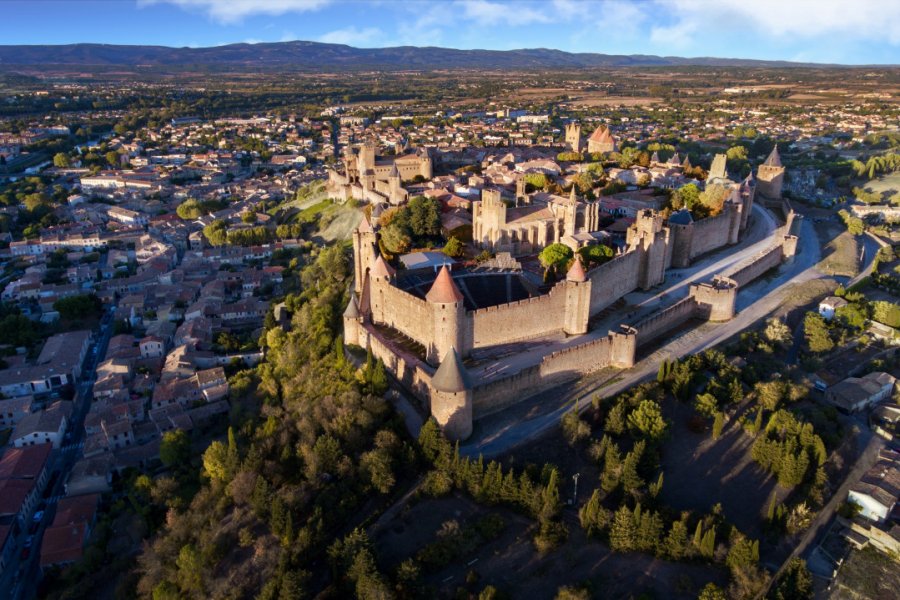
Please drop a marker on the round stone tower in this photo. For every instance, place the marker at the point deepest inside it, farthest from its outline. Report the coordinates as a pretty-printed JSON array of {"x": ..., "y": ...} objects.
[
  {"x": 448, "y": 314},
  {"x": 451, "y": 397}
]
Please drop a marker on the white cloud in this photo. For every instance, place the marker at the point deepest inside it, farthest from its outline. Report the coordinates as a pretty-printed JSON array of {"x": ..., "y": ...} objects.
[
  {"x": 352, "y": 36},
  {"x": 878, "y": 20},
  {"x": 506, "y": 13},
  {"x": 233, "y": 11}
]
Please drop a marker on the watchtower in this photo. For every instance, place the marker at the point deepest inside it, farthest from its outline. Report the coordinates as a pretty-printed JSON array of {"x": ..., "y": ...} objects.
[{"x": 573, "y": 137}]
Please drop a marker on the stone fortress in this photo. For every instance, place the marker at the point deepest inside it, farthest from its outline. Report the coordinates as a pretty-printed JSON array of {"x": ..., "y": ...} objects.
[
  {"x": 376, "y": 180},
  {"x": 424, "y": 324}
]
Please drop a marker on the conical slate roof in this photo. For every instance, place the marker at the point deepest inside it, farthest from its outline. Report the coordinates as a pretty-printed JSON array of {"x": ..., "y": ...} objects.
[
  {"x": 576, "y": 271},
  {"x": 774, "y": 159},
  {"x": 451, "y": 376},
  {"x": 654, "y": 158},
  {"x": 675, "y": 160},
  {"x": 395, "y": 172},
  {"x": 681, "y": 217},
  {"x": 381, "y": 268},
  {"x": 352, "y": 310},
  {"x": 444, "y": 290}
]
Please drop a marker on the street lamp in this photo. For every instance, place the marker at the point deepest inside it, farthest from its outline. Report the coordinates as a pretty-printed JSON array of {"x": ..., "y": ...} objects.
[{"x": 575, "y": 495}]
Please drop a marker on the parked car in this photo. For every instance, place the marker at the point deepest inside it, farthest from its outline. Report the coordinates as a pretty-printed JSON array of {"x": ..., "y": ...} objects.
[
  {"x": 29, "y": 541},
  {"x": 38, "y": 516}
]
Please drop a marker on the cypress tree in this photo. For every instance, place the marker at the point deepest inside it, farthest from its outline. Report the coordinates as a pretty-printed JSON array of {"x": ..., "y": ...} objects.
[
  {"x": 592, "y": 515},
  {"x": 656, "y": 488},
  {"x": 550, "y": 503},
  {"x": 718, "y": 423},
  {"x": 770, "y": 515},
  {"x": 708, "y": 547},
  {"x": 698, "y": 535},
  {"x": 757, "y": 422}
]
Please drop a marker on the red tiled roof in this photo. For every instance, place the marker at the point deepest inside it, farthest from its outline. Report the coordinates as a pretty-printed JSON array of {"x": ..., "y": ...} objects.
[
  {"x": 601, "y": 134},
  {"x": 444, "y": 290},
  {"x": 576, "y": 271},
  {"x": 63, "y": 544},
  {"x": 24, "y": 463},
  {"x": 381, "y": 268}
]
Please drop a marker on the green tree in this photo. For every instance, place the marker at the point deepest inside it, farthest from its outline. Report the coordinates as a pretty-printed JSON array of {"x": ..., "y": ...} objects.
[
  {"x": 623, "y": 532},
  {"x": 595, "y": 254},
  {"x": 776, "y": 331},
  {"x": 706, "y": 404},
  {"x": 647, "y": 419},
  {"x": 78, "y": 307},
  {"x": 711, "y": 592},
  {"x": 575, "y": 429},
  {"x": 550, "y": 503},
  {"x": 676, "y": 541},
  {"x": 175, "y": 448},
  {"x": 593, "y": 516},
  {"x": 795, "y": 583},
  {"x": 453, "y": 248},
  {"x": 61, "y": 160},
  {"x": 555, "y": 256},
  {"x": 816, "y": 332},
  {"x": 216, "y": 233},
  {"x": 718, "y": 424}
]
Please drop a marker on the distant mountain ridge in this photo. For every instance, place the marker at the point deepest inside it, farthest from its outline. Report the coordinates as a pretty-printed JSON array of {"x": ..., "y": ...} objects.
[{"x": 315, "y": 56}]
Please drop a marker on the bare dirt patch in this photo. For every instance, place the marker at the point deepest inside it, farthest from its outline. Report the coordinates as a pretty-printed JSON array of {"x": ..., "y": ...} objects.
[
  {"x": 840, "y": 250},
  {"x": 701, "y": 472},
  {"x": 598, "y": 100},
  {"x": 512, "y": 564}
]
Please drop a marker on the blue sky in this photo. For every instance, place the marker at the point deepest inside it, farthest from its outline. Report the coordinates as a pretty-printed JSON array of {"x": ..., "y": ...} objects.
[{"x": 842, "y": 31}]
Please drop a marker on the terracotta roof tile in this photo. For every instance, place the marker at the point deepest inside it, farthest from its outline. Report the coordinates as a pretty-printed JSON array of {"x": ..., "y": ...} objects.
[{"x": 444, "y": 290}]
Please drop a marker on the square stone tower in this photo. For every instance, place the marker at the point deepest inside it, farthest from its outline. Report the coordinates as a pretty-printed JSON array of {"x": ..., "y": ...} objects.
[
  {"x": 573, "y": 137},
  {"x": 770, "y": 176}
]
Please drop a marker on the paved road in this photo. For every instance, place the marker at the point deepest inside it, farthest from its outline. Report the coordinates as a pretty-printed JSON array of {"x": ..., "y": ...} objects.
[
  {"x": 22, "y": 576},
  {"x": 497, "y": 436}
]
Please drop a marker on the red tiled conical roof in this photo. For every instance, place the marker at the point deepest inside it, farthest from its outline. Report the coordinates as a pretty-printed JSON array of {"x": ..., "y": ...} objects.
[
  {"x": 381, "y": 268},
  {"x": 365, "y": 226},
  {"x": 576, "y": 271},
  {"x": 443, "y": 290}
]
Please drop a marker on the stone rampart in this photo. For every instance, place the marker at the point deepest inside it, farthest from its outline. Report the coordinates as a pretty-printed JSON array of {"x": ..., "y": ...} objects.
[
  {"x": 613, "y": 279},
  {"x": 665, "y": 320},
  {"x": 400, "y": 310},
  {"x": 412, "y": 373},
  {"x": 516, "y": 321},
  {"x": 711, "y": 233},
  {"x": 746, "y": 272},
  {"x": 494, "y": 396}
]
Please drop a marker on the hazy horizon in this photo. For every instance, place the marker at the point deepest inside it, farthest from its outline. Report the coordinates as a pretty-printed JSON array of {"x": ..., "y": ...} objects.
[{"x": 823, "y": 31}]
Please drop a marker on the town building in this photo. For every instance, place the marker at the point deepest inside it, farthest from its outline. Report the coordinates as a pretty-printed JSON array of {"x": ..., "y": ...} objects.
[{"x": 856, "y": 394}]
